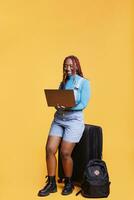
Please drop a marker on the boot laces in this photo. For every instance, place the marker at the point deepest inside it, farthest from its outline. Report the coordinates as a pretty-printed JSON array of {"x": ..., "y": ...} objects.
[{"x": 68, "y": 183}]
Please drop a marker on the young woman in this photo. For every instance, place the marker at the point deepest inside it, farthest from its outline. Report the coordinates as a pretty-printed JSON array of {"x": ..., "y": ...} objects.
[{"x": 67, "y": 126}]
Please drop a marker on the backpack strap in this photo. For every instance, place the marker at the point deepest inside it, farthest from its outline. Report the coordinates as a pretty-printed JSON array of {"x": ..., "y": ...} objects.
[{"x": 78, "y": 193}]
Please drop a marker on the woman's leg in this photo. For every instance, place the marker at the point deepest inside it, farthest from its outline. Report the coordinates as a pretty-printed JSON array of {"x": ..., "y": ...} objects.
[
  {"x": 67, "y": 162},
  {"x": 51, "y": 149}
]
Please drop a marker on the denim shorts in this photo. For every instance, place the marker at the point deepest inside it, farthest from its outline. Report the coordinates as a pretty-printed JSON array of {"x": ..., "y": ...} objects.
[{"x": 69, "y": 125}]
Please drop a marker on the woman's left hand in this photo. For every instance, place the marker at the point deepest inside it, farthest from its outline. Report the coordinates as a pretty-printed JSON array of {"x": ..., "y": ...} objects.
[
  {"x": 59, "y": 107},
  {"x": 62, "y": 107}
]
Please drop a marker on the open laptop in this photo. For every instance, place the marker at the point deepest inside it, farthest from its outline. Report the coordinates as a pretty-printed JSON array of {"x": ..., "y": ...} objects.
[{"x": 61, "y": 97}]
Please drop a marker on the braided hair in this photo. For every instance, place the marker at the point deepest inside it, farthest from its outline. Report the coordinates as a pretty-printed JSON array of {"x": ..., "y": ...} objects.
[{"x": 76, "y": 63}]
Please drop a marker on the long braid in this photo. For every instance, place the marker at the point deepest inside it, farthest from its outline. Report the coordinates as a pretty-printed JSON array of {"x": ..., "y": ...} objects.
[{"x": 77, "y": 63}]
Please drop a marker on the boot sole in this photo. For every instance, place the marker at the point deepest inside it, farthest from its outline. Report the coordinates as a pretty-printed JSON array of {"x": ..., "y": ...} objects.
[
  {"x": 43, "y": 195},
  {"x": 53, "y": 191},
  {"x": 67, "y": 193}
]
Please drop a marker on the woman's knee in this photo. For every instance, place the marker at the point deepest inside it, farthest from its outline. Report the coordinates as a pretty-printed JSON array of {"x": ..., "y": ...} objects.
[
  {"x": 50, "y": 150},
  {"x": 65, "y": 154},
  {"x": 52, "y": 145}
]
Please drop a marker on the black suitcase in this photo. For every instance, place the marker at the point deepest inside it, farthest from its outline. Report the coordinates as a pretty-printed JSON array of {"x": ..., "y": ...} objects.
[{"x": 89, "y": 147}]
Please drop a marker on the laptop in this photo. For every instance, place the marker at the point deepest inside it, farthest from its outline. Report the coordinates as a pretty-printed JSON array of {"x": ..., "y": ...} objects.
[{"x": 61, "y": 97}]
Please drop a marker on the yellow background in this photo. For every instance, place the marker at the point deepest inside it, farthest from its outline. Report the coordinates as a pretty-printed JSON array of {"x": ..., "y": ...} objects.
[{"x": 35, "y": 37}]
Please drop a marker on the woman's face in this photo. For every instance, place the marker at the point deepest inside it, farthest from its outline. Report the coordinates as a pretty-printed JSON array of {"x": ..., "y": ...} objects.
[{"x": 69, "y": 68}]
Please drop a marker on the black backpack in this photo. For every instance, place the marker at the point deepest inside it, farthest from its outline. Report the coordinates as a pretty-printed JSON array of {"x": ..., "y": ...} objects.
[{"x": 95, "y": 182}]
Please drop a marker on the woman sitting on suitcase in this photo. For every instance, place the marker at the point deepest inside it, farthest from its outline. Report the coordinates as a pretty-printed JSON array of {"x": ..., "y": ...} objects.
[{"x": 67, "y": 126}]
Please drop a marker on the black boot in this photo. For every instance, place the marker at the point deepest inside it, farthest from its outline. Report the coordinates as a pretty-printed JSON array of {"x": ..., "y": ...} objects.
[
  {"x": 68, "y": 188},
  {"x": 50, "y": 187}
]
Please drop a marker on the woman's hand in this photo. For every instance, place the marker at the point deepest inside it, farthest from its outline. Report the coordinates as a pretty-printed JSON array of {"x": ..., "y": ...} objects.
[{"x": 59, "y": 107}]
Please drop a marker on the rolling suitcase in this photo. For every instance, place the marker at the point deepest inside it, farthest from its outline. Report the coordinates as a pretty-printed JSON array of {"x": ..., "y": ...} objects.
[{"x": 89, "y": 147}]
